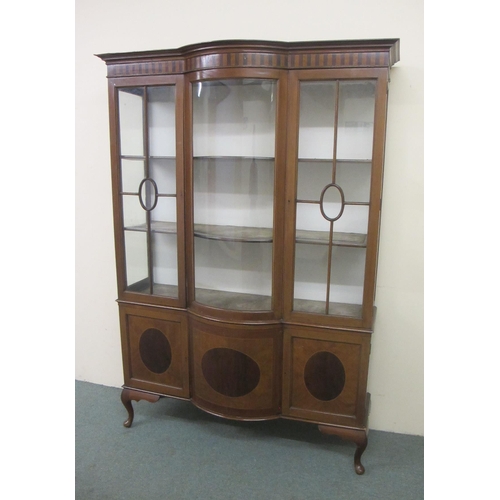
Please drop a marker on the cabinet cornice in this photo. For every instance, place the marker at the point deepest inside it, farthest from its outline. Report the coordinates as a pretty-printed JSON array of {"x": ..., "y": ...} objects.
[{"x": 255, "y": 54}]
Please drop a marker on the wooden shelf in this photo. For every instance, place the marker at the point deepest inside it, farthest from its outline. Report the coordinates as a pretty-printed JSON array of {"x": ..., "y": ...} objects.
[
  {"x": 339, "y": 239},
  {"x": 158, "y": 288},
  {"x": 143, "y": 158},
  {"x": 233, "y": 300},
  {"x": 330, "y": 160},
  {"x": 156, "y": 227},
  {"x": 234, "y": 158},
  {"x": 256, "y": 234},
  {"x": 250, "y": 302},
  {"x": 245, "y": 301},
  {"x": 271, "y": 158},
  {"x": 234, "y": 233},
  {"x": 335, "y": 308}
]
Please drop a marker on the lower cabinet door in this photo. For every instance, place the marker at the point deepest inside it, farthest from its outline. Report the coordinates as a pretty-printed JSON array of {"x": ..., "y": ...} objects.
[
  {"x": 325, "y": 375},
  {"x": 236, "y": 369},
  {"x": 155, "y": 350}
]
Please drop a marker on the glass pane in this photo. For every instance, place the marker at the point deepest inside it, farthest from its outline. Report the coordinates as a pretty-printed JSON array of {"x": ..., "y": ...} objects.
[
  {"x": 233, "y": 142},
  {"x": 234, "y": 192},
  {"x": 316, "y": 119},
  {"x": 311, "y": 270},
  {"x": 353, "y": 220},
  {"x": 130, "y": 106},
  {"x": 132, "y": 174},
  {"x": 165, "y": 211},
  {"x": 356, "y": 118},
  {"x": 162, "y": 170},
  {"x": 233, "y": 274},
  {"x": 354, "y": 178},
  {"x": 347, "y": 278},
  {"x": 134, "y": 216},
  {"x": 313, "y": 176},
  {"x": 161, "y": 120},
  {"x": 164, "y": 247},
  {"x": 309, "y": 218},
  {"x": 234, "y": 118},
  {"x": 165, "y": 279},
  {"x": 136, "y": 261}
]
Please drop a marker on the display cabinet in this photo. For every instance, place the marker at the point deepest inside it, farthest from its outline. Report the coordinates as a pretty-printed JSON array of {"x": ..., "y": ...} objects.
[{"x": 247, "y": 188}]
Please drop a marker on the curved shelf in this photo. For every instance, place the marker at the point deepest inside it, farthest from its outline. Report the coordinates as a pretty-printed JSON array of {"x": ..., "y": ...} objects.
[
  {"x": 156, "y": 227},
  {"x": 233, "y": 158},
  {"x": 233, "y": 300},
  {"x": 234, "y": 233},
  {"x": 151, "y": 157},
  {"x": 213, "y": 231},
  {"x": 256, "y": 234}
]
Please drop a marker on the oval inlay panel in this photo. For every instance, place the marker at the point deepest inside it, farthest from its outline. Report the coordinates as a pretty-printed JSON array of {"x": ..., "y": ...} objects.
[
  {"x": 229, "y": 372},
  {"x": 324, "y": 376},
  {"x": 155, "y": 350}
]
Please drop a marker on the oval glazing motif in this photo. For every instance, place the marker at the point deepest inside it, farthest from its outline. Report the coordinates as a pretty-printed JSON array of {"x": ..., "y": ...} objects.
[
  {"x": 151, "y": 195},
  {"x": 341, "y": 199},
  {"x": 229, "y": 372},
  {"x": 324, "y": 376},
  {"x": 155, "y": 350}
]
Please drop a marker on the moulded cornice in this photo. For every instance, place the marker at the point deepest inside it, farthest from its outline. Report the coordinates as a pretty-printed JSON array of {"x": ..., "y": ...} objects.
[{"x": 255, "y": 53}]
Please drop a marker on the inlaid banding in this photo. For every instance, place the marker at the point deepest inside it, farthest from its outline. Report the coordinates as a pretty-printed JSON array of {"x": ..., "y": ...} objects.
[{"x": 267, "y": 55}]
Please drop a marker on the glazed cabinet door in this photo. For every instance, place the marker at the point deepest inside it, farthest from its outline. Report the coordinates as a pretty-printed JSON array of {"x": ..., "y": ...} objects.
[
  {"x": 335, "y": 158},
  {"x": 236, "y": 185},
  {"x": 148, "y": 178}
]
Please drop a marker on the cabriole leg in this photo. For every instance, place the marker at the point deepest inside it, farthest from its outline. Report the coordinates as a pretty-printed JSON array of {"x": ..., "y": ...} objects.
[
  {"x": 129, "y": 395},
  {"x": 357, "y": 436},
  {"x": 361, "y": 445}
]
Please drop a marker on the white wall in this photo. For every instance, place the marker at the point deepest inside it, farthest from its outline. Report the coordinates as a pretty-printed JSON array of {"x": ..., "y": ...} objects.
[{"x": 396, "y": 373}]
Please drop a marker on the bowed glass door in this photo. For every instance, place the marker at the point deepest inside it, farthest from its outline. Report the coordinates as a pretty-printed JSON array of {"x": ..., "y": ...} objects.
[{"x": 233, "y": 192}]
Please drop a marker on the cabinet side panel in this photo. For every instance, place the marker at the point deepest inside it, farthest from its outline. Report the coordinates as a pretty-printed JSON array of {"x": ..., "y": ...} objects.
[{"x": 375, "y": 196}]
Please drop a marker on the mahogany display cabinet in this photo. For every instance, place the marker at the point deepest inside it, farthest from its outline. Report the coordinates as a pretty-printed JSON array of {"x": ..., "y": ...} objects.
[{"x": 247, "y": 188}]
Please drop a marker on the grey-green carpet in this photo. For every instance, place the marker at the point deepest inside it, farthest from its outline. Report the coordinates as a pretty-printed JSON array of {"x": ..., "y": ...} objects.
[{"x": 174, "y": 451}]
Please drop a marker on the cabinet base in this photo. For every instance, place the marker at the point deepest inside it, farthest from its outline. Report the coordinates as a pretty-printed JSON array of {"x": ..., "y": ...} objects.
[{"x": 358, "y": 436}]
